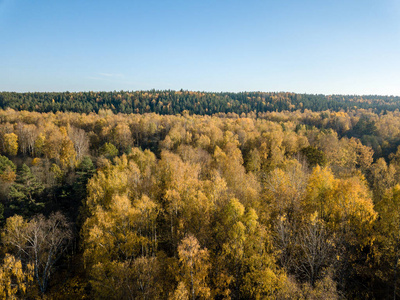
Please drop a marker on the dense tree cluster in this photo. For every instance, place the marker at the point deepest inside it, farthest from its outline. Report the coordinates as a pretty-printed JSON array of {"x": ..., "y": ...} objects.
[
  {"x": 169, "y": 102},
  {"x": 274, "y": 205}
]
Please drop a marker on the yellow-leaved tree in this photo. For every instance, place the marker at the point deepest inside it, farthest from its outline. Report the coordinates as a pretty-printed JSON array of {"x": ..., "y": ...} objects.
[
  {"x": 11, "y": 144},
  {"x": 67, "y": 151},
  {"x": 388, "y": 242},
  {"x": 346, "y": 209},
  {"x": 344, "y": 204},
  {"x": 16, "y": 281},
  {"x": 245, "y": 261},
  {"x": 119, "y": 234},
  {"x": 40, "y": 242},
  {"x": 194, "y": 267}
]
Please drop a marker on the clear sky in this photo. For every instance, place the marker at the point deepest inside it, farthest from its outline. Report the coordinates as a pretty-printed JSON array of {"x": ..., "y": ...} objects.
[{"x": 307, "y": 46}]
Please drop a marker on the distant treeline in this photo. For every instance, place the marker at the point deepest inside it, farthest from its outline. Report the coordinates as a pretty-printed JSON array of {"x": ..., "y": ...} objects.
[{"x": 201, "y": 103}]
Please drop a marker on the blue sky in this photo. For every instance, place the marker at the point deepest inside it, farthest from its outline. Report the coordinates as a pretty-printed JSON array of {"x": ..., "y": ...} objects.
[{"x": 308, "y": 46}]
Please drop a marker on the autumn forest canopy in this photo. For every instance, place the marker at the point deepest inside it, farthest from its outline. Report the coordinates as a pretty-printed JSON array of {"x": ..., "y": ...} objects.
[{"x": 197, "y": 195}]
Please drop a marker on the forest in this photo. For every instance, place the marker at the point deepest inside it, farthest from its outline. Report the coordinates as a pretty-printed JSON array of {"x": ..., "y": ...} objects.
[
  {"x": 188, "y": 195},
  {"x": 169, "y": 102}
]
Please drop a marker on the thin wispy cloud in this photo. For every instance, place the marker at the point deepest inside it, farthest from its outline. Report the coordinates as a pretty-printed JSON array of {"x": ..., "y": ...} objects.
[
  {"x": 106, "y": 76},
  {"x": 111, "y": 75}
]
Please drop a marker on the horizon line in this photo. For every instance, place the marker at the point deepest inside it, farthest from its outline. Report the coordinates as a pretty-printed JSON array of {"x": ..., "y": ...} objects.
[{"x": 199, "y": 91}]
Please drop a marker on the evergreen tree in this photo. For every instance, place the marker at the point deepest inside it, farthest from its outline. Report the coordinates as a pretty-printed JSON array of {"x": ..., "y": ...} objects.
[{"x": 25, "y": 193}]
